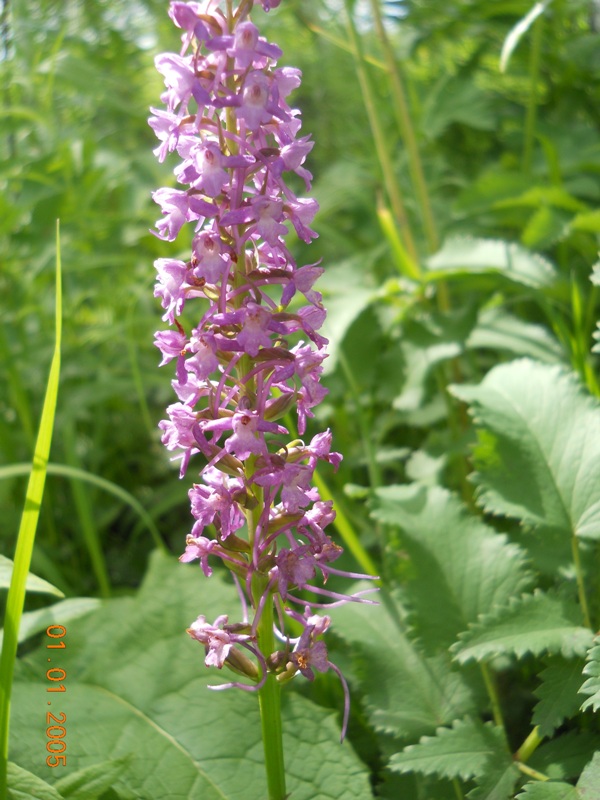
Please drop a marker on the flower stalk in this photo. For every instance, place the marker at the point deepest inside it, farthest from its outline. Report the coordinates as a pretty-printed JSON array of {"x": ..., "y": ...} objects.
[{"x": 249, "y": 355}]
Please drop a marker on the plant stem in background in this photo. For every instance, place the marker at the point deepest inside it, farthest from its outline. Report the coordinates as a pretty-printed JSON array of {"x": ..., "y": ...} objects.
[
  {"x": 403, "y": 115},
  {"x": 534, "y": 74},
  {"x": 381, "y": 145}
]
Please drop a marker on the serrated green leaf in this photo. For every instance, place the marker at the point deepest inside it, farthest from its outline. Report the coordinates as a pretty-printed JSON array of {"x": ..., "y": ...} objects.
[
  {"x": 497, "y": 783},
  {"x": 549, "y": 790},
  {"x": 460, "y": 564},
  {"x": 92, "y": 782},
  {"x": 32, "y": 584},
  {"x": 588, "y": 785},
  {"x": 557, "y": 694},
  {"x": 24, "y": 785},
  {"x": 537, "y": 422},
  {"x": 136, "y": 688},
  {"x": 591, "y": 686},
  {"x": 536, "y": 624},
  {"x": 462, "y": 751},
  {"x": 462, "y": 257},
  {"x": 406, "y": 693}
]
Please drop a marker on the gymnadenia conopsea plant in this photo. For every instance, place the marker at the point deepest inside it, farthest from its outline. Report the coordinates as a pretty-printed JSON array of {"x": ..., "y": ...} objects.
[{"x": 251, "y": 356}]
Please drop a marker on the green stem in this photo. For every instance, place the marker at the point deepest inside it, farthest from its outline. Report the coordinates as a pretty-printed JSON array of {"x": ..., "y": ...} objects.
[
  {"x": 270, "y": 710},
  {"x": 383, "y": 153},
  {"x": 530, "y": 745},
  {"x": 457, "y": 789},
  {"x": 532, "y": 773},
  {"x": 415, "y": 164},
  {"x": 366, "y": 433},
  {"x": 534, "y": 72},
  {"x": 493, "y": 695},
  {"x": 580, "y": 582}
]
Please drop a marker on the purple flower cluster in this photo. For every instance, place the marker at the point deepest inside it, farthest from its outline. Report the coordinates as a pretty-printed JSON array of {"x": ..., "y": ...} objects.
[{"x": 255, "y": 352}]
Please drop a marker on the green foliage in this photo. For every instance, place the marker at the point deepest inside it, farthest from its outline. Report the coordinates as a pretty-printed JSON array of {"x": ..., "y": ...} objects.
[
  {"x": 463, "y": 751},
  {"x": 591, "y": 686},
  {"x": 537, "y": 421},
  {"x": 133, "y": 676},
  {"x": 473, "y": 573},
  {"x": 538, "y": 623},
  {"x": 557, "y": 693}
]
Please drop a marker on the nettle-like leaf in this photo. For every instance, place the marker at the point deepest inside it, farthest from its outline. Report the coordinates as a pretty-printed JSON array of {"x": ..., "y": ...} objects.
[
  {"x": 464, "y": 257},
  {"x": 536, "y": 624},
  {"x": 549, "y": 790},
  {"x": 537, "y": 457},
  {"x": 592, "y": 685},
  {"x": 406, "y": 693},
  {"x": 463, "y": 568},
  {"x": 557, "y": 693},
  {"x": 462, "y": 751},
  {"x": 136, "y": 689},
  {"x": 497, "y": 783}
]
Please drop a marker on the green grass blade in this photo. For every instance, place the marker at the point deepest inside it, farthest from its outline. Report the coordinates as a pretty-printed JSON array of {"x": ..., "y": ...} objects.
[
  {"x": 86, "y": 523},
  {"x": 76, "y": 474},
  {"x": 27, "y": 529}
]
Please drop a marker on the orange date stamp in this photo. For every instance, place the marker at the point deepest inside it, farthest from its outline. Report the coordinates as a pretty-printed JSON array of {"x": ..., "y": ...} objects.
[{"x": 55, "y": 725}]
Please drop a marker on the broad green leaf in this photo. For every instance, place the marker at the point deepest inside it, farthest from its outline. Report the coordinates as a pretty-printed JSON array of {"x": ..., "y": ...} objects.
[
  {"x": 549, "y": 790},
  {"x": 460, "y": 564},
  {"x": 537, "y": 623},
  {"x": 463, "y": 751},
  {"x": 347, "y": 292},
  {"x": 462, "y": 257},
  {"x": 497, "y": 329},
  {"x": 93, "y": 781},
  {"x": 537, "y": 459},
  {"x": 406, "y": 693},
  {"x": 557, "y": 694},
  {"x": 136, "y": 688},
  {"x": 24, "y": 785},
  {"x": 592, "y": 685},
  {"x": 32, "y": 583}
]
